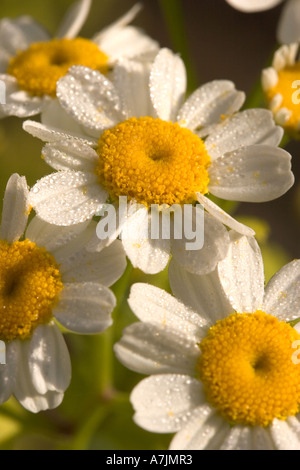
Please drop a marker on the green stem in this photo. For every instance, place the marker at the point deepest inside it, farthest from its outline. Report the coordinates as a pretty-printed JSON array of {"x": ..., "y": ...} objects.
[
  {"x": 105, "y": 354},
  {"x": 173, "y": 15}
]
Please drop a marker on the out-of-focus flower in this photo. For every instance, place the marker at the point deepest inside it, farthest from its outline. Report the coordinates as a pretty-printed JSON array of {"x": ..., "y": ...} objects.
[
  {"x": 49, "y": 275},
  {"x": 169, "y": 153},
  {"x": 224, "y": 370},
  {"x": 250, "y": 6},
  {"x": 31, "y": 62},
  {"x": 281, "y": 83},
  {"x": 288, "y": 29}
]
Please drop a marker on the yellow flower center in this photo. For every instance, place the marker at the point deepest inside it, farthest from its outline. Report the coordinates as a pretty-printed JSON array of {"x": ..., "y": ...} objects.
[
  {"x": 38, "y": 68},
  {"x": 30, "y": 283},
  {"x": 286, "y": 77},
  {"x": 247, "y": 369},
  {"x": 152, "y": 162}
]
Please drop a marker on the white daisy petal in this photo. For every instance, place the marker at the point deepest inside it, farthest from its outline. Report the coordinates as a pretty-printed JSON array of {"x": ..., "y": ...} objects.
[
  {"x": 210, "y": 104},
  {"x": 85, "y": 307},
  {"x": 167, "y": 84},
  {"x": 54, "y": 116},
  {"x": 49, "y": 361},
  {"x": 90, "y": 98},
  {"x": 8, "y": 371},
  {"x": 257, "y": 173},
  {"x": 67, "y": 197},
  {"x": 284, "y": 436},
  {"x": 239, "y": 438},
  {"x": 215, "y": 247},
  {"x": 163, "y": 403},
  {"x": 129, "y": 43},
  {"x": 119, "y": 24},
  {"x": 15, "y": 209},
  {"x": 223, "y": 217},
  {"x": 19, "y": 103},
  {"x": 119, "y": 40},
  {"x": 131, "y": 79},
  {"x": 285, "y": 56},
  {"x": 200, "y": 430},
  {"x": 17, "y": 34},
  {"x": 105, "y": 267},
  {"x": 74, "y": 19},
  {"x": 70, "y": 154},
  {"x": 24, "y": 390},
  {"x": 262, "y": 439},
  {"x": 288, "y": 29},
  {"x": 52, "y": 236},
  {"x": 156, "y": 349},
  {"x": 148, "y": 254},
  {"x": 282, "y": 293},
  {"x": 151, "y": 304},
  {"x": 248, "y": 6},
  {"x": 249, "y": 127},
  {"x": 203, "y": 294},
  {"x": 50, "y": 134},
  {"x": 269, "y": 79},
  {"x": 242, "y": 274}
]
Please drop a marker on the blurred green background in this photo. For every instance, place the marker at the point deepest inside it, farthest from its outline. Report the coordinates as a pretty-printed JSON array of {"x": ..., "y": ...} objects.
[{"x": 216, "y": 42}]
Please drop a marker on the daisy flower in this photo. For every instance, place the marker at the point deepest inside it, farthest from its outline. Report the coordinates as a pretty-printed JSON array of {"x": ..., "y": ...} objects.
[
  {"x": 280, "y": 84},
  {"x": 288, "y": 29},
  {"x": 31, "y": 61},
  {"x": 224, "y": 372},
  {"x": 142, "y": 141},
  {"x": 47, "y": 277}
]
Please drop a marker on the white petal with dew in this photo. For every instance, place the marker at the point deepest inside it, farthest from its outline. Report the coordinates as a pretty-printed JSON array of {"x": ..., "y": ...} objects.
[
  {"x": 145, "y": 253},
  {"x": 209, "y": 104},
  {"x": 163, "y": 403},
  {"x": 67, "y": 197},
  {"x": 52, "y": 236},
  {"x": 202, "y": 293},
  {"x": 85, "y": 307},
  {"x": 131, "y": 79},
  {"x": 15, "y": 209},
  {"x": 155, "y": 349},
  {"x": 90, "y": 98},
  {"x": 249, "y": 127},
  {"x": 49, "y": 360},
  {"x": 167, "y": 84},
  {"x": 242, "y": 275},
  {"x": 282, "y": 293},
  {"x": 285, "y": 437},
  {"x": 257, "y": 173},
  {"x": 154, "y": 305},
  {"x": 70, "y": 154},
  {"x": 214, "y": 249},
  {"x": 203, "y": 429}
]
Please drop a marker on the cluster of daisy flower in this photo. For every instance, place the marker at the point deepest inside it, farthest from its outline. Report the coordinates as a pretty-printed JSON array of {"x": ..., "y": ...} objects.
[{"x": 116, "y": 121}]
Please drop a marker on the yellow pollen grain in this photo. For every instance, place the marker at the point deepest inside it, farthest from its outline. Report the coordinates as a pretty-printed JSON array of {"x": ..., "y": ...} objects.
[
  {"x": 38, "y": 68},
  {"x": 152, "y": 162},
  {"x": 286, "y": 77},
  {"x": 30, "y": 283},
  {"x": 247, "y": 370}
]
